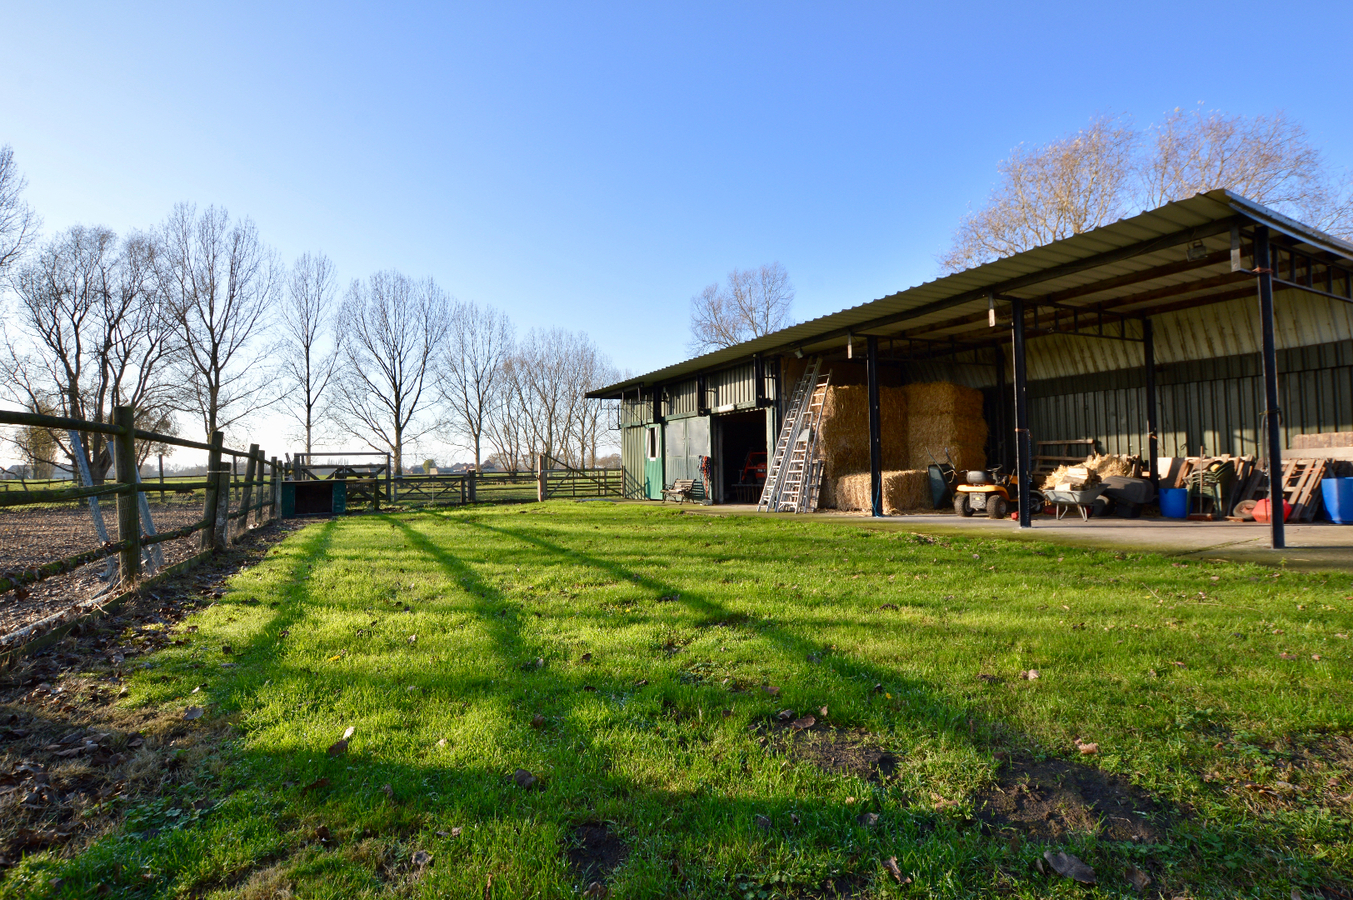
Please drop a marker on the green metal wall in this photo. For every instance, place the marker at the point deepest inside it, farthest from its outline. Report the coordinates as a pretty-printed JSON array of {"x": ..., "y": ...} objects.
[
  {"x": 632, "y": 461},
  {"x": 686, "y": 441},
  {"x": 1212, "y": 403}
]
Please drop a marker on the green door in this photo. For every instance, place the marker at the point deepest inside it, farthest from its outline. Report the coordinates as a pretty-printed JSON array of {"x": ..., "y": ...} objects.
[{"x": 653, "y": 462}]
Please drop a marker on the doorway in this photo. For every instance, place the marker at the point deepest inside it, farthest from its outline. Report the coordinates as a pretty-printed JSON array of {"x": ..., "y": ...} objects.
[{"x": 741, "y": 469}]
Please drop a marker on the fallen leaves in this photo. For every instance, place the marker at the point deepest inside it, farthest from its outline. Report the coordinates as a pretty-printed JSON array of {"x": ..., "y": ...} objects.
[
  {"x": 802, "y": 723},
  {"x": 762, "y": 822},
  {"x": 525, "y": 780},
  {"x": 421, "y": 859},
  {"x": 193, "y": 712},
  {"x": 890, "y": 865},
  {"x": 1029, "y": 675},
  {"x": 537, "y": 721},
  {"x": 1087, "y": 748},
  {"x": 340, "y": 746},
  {"x": 315, "y": 785}
]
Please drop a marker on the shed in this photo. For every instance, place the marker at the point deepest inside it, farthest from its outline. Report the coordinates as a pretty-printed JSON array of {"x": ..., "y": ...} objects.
[{"x": 1212, "y": 321}]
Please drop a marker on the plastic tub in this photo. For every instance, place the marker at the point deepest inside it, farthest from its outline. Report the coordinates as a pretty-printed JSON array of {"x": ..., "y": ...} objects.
[
  {"x": 1338, "y": 493},
  {"x": 1260, "y": 511},
  {"x": 1174, "y": 503}
]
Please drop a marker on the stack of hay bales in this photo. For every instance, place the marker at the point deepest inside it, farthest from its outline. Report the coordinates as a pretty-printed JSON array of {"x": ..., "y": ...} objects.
[
  {"x": 943, "y": 415},
  {"x": 904, "y": 490},
  {"x": 843, "y": 442}
]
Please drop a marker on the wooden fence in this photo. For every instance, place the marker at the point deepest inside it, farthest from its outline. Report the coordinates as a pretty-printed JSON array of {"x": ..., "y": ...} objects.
[{"x": 218, "y": 526}]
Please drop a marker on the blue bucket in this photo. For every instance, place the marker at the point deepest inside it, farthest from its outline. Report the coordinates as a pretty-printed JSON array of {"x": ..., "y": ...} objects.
[
  {"x": 1174, "y": 503},
  {"x": 1338, "y": 494}
]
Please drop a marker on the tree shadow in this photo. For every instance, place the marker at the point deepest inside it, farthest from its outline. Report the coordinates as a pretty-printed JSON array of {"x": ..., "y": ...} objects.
[{"x": 680, "y": 840}]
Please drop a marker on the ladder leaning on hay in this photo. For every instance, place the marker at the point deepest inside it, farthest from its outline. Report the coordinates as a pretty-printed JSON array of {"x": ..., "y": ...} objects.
[{"x": 794, "y": 477}]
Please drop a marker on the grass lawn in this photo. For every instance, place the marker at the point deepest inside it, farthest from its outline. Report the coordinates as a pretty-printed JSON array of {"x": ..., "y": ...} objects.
[{"x": 732, "y": 707}]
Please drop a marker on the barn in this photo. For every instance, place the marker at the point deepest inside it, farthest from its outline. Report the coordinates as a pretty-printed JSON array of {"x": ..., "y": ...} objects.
[{"x": 1210, "y": 326}]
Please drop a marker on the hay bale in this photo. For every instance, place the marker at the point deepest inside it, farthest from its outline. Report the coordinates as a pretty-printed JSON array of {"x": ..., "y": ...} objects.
[
  {"x": 946, "y": 416},
  {"x": 903, "y": 490},
  {"x": 852, "y": 491},
  {"x": 941, "y": 398},
  {"x": 843, "y": 441}
]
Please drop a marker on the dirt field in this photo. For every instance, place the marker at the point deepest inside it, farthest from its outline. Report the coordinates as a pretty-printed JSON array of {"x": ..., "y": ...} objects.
[{"x": 33, "y": 536}]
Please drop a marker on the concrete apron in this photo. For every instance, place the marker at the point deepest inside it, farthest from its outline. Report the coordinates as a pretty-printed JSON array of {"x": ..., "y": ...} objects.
[{"x": 1317, "y": 546}]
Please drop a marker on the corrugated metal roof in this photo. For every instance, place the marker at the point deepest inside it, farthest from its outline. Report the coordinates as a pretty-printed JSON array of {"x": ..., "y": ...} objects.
[{"x": 1128, "y": 263}]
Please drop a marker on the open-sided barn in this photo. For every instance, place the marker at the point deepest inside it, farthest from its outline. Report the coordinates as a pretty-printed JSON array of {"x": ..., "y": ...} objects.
[{"x": 1209, "y": 326}]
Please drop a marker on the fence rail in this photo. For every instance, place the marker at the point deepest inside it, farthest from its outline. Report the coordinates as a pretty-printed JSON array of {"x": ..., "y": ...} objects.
[{"x": 227, "y": 501}]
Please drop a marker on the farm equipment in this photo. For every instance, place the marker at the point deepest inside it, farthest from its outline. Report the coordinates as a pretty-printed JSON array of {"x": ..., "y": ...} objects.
[{"x": 993, "y": 493}]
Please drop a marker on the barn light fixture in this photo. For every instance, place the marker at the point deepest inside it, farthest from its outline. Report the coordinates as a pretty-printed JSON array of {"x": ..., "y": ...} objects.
[
  {"x": 1197, "y": 250},
  {"x": 991, "y": 311},
  {"x": 850, "y": 345},
  {"x": 798, "y": 353}
]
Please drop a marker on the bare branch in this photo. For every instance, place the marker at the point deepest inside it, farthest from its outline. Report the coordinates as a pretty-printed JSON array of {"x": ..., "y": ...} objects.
[
  {"x": 394, "y": 329},
  {"x": 752, "y": 303}
]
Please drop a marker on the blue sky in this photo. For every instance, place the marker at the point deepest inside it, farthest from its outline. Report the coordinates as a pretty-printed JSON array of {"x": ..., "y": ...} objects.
[{"x": 593, "y": 166}]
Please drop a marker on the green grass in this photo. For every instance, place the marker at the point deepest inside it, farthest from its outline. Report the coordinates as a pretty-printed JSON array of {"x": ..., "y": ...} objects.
[{"x": 1173, "y": 668}]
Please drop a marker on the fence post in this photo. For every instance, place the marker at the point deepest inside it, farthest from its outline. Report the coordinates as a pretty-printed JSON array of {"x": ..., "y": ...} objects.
[
  {"x": 128, "y": 513},
  {"x": 260, "y": 482},
  {"x": 275, "y": 483},
  {"x": 213, "y": 490},
  {"x": 223, "y": 505},
  {"x": 250, "y": 473},
  {"x": 541, "y": 478},
  {"x": 473, "y": 476}
]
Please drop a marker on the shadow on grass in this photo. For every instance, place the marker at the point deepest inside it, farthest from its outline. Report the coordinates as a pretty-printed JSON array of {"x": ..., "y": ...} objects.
[{"x": 274, "y": 804}]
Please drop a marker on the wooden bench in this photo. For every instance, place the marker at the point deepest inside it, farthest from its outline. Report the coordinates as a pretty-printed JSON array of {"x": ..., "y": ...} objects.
[{"x": 680, "y": 490}]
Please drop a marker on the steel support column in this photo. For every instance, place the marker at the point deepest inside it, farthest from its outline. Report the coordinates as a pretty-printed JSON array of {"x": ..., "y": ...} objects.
[
  {"x": 875, "y": 429},
  {"x": 1152, "y": 416},
  {"x": 1272, "y": 412},
  {"x": 1002, "y": 417},
  {"x": 1023, "y": 447}
]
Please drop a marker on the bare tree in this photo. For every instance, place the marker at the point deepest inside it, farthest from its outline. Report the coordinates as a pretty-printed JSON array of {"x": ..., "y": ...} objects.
[
  {"x": 471, "y": 374},
  {"x": 18, "y": 223},
  {"x": 1268, "y": 159},
  {"x": 1050, "y": 192},
  {"x": 751, "y": 303},
  {"x": 91, "y": 333},
  {"x": 220, "y": 282},
  {"x": 1110, "y": 170},
  {"x": 394, "y": 328},
  {"x": 589, "y": 424},
  {"x": 505, "y": 424},
  {"x": 307, "y": 366},
  {"x": 540, "y": 389}
]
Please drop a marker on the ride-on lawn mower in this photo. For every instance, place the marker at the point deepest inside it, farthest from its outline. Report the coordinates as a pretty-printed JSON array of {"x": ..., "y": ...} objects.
[{"x": 993, "y": 493}]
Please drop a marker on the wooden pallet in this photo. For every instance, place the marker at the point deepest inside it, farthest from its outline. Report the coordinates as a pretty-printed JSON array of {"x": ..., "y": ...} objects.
[
  {"x": 1046, "y": 462},
  {"x": 1301, "y": 487}
]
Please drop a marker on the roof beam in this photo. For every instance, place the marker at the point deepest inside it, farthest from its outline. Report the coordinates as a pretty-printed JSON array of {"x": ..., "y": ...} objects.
[
  {"x": 1164, "y": 242},
  {"x": 1150, "y": 274}
]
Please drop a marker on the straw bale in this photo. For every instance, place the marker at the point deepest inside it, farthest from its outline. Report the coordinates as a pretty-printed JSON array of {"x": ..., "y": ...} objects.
[
  {"x": 843, "y": 441},
  {"x": 941, "y": 398},
  {"x": 903, "y": 490}
]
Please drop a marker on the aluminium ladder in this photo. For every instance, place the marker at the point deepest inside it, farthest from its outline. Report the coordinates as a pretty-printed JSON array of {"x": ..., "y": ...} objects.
[{"x": 794, "y": 477}]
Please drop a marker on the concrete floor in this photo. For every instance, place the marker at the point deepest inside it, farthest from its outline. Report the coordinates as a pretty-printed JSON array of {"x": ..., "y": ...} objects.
[{"x": 1318, "y": 546}]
